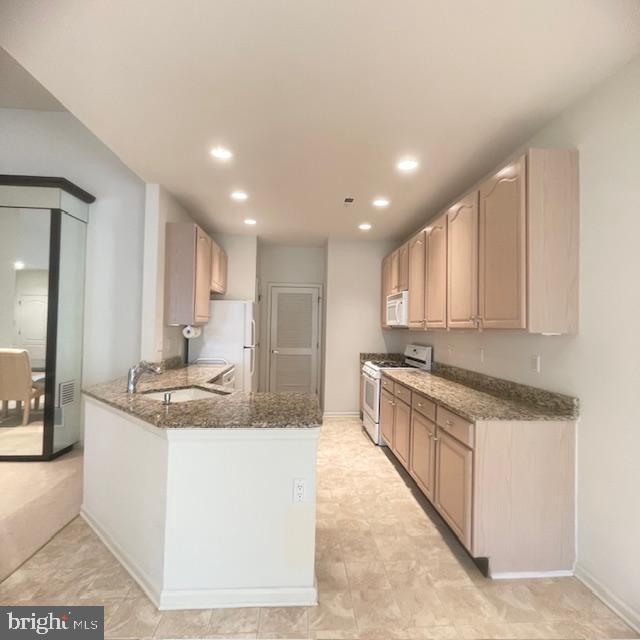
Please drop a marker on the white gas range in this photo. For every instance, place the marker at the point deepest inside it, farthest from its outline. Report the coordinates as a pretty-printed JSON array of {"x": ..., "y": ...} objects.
[{"x": 415, "y": 357}]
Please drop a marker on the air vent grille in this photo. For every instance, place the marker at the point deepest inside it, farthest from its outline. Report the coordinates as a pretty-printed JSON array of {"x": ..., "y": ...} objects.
[{"x": 67, "y": 392}]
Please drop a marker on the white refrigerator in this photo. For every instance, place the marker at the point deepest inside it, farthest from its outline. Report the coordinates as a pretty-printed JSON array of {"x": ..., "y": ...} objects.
[{"x": 231, "y": 334}]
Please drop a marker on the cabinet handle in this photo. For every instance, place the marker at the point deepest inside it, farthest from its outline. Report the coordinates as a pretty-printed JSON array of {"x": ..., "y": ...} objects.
[
  {"x": 435, "y": 438},
  {"x": 449, "y": 423}
]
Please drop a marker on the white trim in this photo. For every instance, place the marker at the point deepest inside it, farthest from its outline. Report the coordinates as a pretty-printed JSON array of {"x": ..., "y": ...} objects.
[
  {"x": 630, "y": 615},
  {"x": 341, "y": 414},
  {"x": 521, "y": 575},
  {"x": 234, "y": 598},
  {"x": 140, "y": 576}
]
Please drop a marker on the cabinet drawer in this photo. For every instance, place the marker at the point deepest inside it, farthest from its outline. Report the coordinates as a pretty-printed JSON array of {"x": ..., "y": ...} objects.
[
  {"x": 423, "y": 406},
  {"x": 387, "y": 384},
  {"x": 455, "y": 425},
  {"x": 402, "y": 393}
]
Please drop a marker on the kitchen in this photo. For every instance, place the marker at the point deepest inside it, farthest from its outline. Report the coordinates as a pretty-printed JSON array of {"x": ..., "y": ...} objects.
[{"x": 379, "y": 378}]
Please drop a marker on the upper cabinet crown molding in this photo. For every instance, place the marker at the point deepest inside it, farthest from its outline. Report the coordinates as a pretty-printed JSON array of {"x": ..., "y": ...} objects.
[{"x": 511, "y": 249}]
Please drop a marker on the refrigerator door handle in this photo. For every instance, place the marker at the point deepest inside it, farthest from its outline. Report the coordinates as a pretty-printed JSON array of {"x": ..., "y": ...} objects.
[
  {"x": 252, "y": 367},
  {"x": 253, "y": 333}
]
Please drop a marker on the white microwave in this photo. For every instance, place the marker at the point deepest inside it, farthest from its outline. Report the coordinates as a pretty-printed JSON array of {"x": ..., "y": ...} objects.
[{"x": 398, "y": 309}]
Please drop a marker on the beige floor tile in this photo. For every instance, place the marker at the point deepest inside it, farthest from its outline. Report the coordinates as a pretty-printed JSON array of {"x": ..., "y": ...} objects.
[
  {"x": 505, "y": 631},
  {"x": 467, "y": 605},
  {"x": 422, "y": 608},
  {"x": 283, "y": 622},
  {"x": 376, "y": 609},
  {"x": 241, "y": 620},
  {"x": 333, "y": 613},
  {"x": 513, "y": 602},
  {"x": 408, "y": 574},
  {"x": 610, "y": 628},
  {"x": 446, "y": 571},
  {"x": 135, "y": 618},
  {"x": 367, "y": 574},
  {"x": 331, "y": 576},
  {"x": 185, "y": 623},
  {"x": 65, "y": 587},
  {"x": 20, "y": 586}
]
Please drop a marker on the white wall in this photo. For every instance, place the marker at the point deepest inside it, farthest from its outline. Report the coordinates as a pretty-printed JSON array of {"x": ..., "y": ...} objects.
[
  {"x": 242, "y": 254},
  {"x": 50, "y": 143},
  {"x": 600, "y": 364},
  {"x": 352, "y": 318},
  {"x": 281, "y": 264},
  {"x": 158, "y": 341}
]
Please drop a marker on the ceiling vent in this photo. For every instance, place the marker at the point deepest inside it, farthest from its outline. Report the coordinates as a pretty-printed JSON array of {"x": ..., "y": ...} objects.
[{"x": 348, "y": 202}]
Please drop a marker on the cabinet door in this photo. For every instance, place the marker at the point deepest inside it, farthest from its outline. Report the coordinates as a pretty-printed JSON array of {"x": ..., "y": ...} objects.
[
  {"x": 436, "y": 274},
  {"x": 395, "y": 274},
  {"x": 402, "y": 432},
  {"x": 416, "y": 280},
  {"x": 224, "y": 270},
  {"x": 454, "y": 485},
  {"x": 387, "y": 403},
  {"x": 385, "y": 289},
  {"x": 423, "y": 455},
  {"x": 203, "y": 275},
  {"x": 462, "y": 263},
  {"x": 502, "y": 250},
  {"x": 403, "y": 267}
]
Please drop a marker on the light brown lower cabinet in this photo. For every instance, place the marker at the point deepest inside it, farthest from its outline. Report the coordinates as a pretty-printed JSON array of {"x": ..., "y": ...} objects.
[
  {"x": 402, "y": 431},
  {"x": 422, "y": 461},
  {"x": 454, "y": 485},
  {"x": 387, "y": 402},
  {"x": 505, "y": 488}
]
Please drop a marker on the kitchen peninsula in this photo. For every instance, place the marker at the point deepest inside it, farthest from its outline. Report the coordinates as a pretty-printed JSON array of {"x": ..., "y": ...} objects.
[{"x": 210, "y": 502}]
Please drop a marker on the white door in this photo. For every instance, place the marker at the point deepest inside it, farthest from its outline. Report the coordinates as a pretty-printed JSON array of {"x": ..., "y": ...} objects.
[
  {"x": 31, "y": 326},
  {"x": 294, "y": 340}
]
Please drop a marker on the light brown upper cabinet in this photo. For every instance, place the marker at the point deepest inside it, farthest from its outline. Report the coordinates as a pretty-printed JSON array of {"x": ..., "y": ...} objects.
[
  {"x": 416, "y": 280},
  {"x": 403, "y": 267},
  {"x": 502, "y": 236},
  {"x": 436, "y": 274},
  {"x": 187, "y": 274},
  {"x": 462, "y": 263},
  {"x": 386, "y": 289},
  {"x": 218, "y": 268},
  {"x": 394, "y": 272}
]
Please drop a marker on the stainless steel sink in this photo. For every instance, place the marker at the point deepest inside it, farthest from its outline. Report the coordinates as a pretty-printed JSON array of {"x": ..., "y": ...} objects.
[{"x": 186, "y": 394}]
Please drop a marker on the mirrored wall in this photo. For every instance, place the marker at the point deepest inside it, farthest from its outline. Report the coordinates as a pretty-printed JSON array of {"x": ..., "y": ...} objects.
[{"x": 42, "y": 266}]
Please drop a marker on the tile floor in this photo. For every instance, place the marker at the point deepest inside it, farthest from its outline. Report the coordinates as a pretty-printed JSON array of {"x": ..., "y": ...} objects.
[{"x": 387, "y": 568}]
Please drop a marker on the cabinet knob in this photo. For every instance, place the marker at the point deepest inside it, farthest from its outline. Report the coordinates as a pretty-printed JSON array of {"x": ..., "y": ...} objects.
[{"x": 449, "y": 423}]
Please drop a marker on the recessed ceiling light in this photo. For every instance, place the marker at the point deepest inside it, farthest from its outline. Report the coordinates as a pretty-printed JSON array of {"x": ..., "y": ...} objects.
[
  {"x": 239, "y": 196},
  {"x": 407, "y": 164},
  {"x": 221, "y": 153},
  {"x": 365, "y": 226},
  {"x": 250, "y": 221},
  {"x": 18, "y": 264},
  {"x": 381, "y": 203}
]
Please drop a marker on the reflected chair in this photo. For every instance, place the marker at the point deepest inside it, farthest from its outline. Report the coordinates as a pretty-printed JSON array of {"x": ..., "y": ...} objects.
[{"x": 16, "y": 382}]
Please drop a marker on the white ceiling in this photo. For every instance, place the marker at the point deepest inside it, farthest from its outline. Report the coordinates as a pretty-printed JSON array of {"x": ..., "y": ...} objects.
[
  {"x": 19, "y": 90},
  {"x": 317, "y": 98}
]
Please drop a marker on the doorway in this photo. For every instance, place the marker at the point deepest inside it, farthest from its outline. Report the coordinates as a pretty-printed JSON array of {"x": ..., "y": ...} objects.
[{"x": 294, "y": 330}]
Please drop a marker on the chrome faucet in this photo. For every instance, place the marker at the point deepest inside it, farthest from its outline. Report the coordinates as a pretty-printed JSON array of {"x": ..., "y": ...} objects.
[{"x": 136, "y": 371}]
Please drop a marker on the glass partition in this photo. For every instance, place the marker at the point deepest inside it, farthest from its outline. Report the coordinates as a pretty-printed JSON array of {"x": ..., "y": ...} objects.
[{"x": 25, "y": 238}]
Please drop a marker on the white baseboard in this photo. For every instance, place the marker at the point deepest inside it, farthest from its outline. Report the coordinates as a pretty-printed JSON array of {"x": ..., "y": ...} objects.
[
  {"x": 166, "y": 599},
  {"x": 626, "y": 612},
  {"x": 140, "y": 576},
  {"x": 233, "y": 598},
  {"x": 341, "y": 414},
  {"x": 522, "y": 575}
]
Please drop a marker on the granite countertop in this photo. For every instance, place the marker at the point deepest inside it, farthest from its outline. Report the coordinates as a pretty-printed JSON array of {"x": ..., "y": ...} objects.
[
  {"x": 224, "y": 409},
  {"x": 475, "y": 405}
]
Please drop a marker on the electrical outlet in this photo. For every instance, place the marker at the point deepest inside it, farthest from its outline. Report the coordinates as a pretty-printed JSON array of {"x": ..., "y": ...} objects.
[
  {"x": 482, "y": 354},
  {"x": 450, "y": 350},
  {"x": 536, "y": 363},
  {"x": 298, "y": 490}
]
